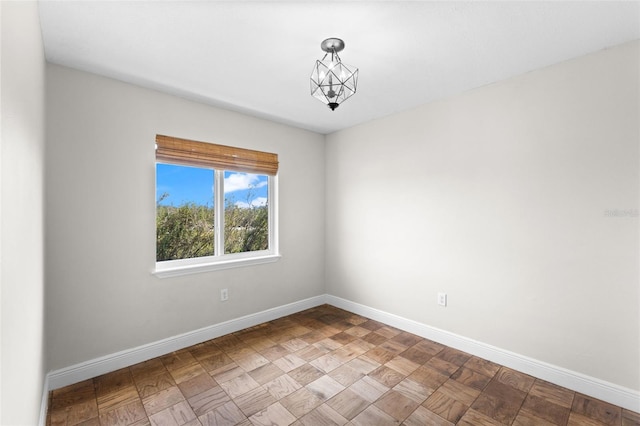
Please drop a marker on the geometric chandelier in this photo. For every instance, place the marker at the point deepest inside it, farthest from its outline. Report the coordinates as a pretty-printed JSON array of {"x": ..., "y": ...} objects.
[{"x": 333, "y": 82}]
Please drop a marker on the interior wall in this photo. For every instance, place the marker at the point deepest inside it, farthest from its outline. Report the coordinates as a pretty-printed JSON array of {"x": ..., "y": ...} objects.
[
  {"x": 518, "y": 199},
  {"x": 21, "y": 213},
  {"x": 100, "y": 227}
]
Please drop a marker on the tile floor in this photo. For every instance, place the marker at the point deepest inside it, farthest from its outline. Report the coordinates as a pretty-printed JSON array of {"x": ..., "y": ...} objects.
[{"x": 324, "y": 366}]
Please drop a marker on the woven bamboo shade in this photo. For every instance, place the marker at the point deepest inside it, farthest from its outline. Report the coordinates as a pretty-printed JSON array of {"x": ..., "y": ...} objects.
[{"x": 192, "y": 153}]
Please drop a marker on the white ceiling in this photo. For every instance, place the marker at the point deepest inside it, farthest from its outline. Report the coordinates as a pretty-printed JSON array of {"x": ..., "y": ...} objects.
[{"x": 256, "y": 57}]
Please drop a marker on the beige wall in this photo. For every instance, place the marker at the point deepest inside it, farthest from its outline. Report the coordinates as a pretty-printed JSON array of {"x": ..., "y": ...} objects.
[
  {"x": 501, "y": 197},
  {"x": 100, "y": 201},
  {"x": 22, "y": 138}
]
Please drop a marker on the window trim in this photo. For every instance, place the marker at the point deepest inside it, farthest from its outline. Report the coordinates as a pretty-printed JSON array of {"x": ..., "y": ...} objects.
[
  {"x": 178, "y": 267},
  {"x": 166, "y": 271}
]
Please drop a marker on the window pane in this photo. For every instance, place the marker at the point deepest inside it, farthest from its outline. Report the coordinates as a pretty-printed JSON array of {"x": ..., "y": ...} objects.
[
  {"x": 246, "y": 215},
  {"x": 184, "y": 212}
]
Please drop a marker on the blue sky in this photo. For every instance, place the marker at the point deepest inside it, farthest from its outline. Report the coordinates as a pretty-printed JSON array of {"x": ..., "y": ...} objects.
[{"x": 192, "y": 184}]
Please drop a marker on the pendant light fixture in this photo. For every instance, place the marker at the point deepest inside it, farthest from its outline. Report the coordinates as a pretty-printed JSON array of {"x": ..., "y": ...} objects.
[{"x": 333, "y": 82}]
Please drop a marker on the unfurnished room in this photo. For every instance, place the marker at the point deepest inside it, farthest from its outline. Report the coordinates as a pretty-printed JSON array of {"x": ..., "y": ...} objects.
[{"x": 319, "y": 213}]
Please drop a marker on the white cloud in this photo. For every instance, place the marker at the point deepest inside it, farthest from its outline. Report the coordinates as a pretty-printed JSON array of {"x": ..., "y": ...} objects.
[
  {"x": 256, "y": 202},
  {"x": 241, "y": 181}
]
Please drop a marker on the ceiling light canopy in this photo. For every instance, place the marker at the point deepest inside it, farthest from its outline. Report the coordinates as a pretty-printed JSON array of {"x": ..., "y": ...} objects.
[{"x": 333, "y": 82}]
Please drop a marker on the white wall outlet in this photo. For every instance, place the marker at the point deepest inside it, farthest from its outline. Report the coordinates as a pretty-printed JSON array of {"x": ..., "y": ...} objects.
[
  {"x": 224, "y": 295},
  {"x": 442, "y": 299}
]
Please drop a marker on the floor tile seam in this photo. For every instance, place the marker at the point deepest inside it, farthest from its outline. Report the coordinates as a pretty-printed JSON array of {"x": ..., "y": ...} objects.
[
  {"x": 520, "y": 409},
  {"x": 181, "y": 366},
  {"x": 94, "y": 397},
  {"x": 536, "y": 415},
  {"x": 137, "y": 382},
  {"x": 575, "y": 395},
  {"x": 68, "y": 407},
  {"x": 468, "y": 407},
  {"x": 120, "y": 404},
  {"x": 187, "y": 400},
  {"x": 570, "y": 409},
  {"x": 202, "y": 358}
]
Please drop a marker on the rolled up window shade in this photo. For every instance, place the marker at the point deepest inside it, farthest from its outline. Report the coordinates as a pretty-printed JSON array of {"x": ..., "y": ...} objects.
[{"x": 193, "y": 153}]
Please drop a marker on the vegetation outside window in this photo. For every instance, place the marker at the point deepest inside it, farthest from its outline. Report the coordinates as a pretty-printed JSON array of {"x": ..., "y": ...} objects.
[{"x": 215, "y": 206}]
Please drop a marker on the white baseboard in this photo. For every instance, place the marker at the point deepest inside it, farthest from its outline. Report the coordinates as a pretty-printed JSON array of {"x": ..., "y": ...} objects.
[
  {"x": 44, "y": 403},
  {"x": 609, "y": 392},
  {"x": 96, "y": 367}
]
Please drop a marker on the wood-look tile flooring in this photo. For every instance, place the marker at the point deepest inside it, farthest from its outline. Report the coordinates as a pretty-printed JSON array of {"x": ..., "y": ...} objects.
[{"x": 324, "y": 366}]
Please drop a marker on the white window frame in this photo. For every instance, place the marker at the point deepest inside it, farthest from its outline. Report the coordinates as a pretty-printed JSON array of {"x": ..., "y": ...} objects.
[{"x": 178, "y": 267}]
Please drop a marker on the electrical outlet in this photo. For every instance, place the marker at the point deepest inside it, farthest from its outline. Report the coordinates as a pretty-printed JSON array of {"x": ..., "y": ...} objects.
[
  {"x": 224, "y": 295},
  {"x": 442, "y": 299}
]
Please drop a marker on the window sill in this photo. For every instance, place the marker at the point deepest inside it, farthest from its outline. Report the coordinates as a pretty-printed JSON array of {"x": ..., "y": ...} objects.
[{"x": 176, "y": 271}]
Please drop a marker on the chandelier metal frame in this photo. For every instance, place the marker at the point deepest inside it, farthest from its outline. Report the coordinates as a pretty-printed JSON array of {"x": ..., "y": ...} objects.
[{"x": 332, "y": 81}]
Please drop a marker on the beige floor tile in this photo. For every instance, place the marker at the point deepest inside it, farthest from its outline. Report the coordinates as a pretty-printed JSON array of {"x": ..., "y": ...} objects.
[
  {"x": 372, "y": 415},
  {"x": 266, "y": 373},
  {"x": 324, "y": 366},
  {"x": 346, "y": 375},
  {"x": 388, "y": 332},
  {"x": 323, "y": 416},
  {"x": 274, "y": 415},
  {"x": 325, "y": 387},
  {"x": 239, "y": 385},
  {"x": 326, "y": 363},
  {"x": 227, "y": 372},
  {"x": 161, "y": 400},
  {"x": 445, "y": 407},
  {"x": 357, "y": 331},
  {"x": 178, "y": 359},
  {"x": 75, "y": 413},
  {"x": 254, "y": 401},
  {"x": 152, "y": 367},
  {"x": 282, "y": 386},
  {"x": 225, "y": 415},
  {"x": 294, "y": 345},
  {"x": 387, "y": 376},
  {"x": 117, "y": 398},
  {"x": 403, "y": 365},
  {"x": 215, "y": 362},
  {"x": 305, "y": 374},
  {"x": 125, "y": 415},
  {"x": 252, "y": 361},
  {"x": 196, "y": 385},
  {"x": 301, "y": 402},
  {"x": 369, "y": 388},
  {"x": 208, "y": 400},
  {"x": 187, "y": 372},
  {"x": 348, "y": 404},
  {"x": 474, "y": 418},
  {"x": 396, "y": 405},
  {"x": 274, "y": 352},
  {"x": 413, "y": 390},
  {"x": 148, "y": 385},
  {"x": 289, "y": 362},
  {"x": 552, "y": 393},
  {"x": 311, "y": 352},
  {"x": 528, "y": 419},
  {"x": 459, "y": 392},
  {"x": 482, "y": 366},
  {"x": 421, "y": 417},
  {"x": 363, "y": 366},
  {"x": 428, "y": 377},
  {"x": 179, "y": 414}
]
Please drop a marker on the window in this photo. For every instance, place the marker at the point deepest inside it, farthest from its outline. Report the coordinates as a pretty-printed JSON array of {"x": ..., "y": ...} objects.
[{"x": 215, "y": 206}]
